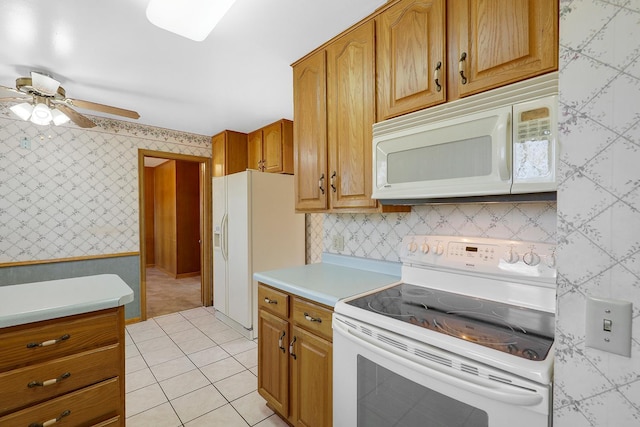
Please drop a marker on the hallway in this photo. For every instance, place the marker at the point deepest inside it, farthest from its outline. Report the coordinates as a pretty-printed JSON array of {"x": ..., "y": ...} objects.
[{"x": 167, "y": 295}]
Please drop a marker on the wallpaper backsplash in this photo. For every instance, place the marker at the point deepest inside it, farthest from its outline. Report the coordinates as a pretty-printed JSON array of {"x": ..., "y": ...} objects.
[
  {"x": 378, "y": 236},
  {"x": 67, "y": 192},
  {"x": 598, "y": 207}
]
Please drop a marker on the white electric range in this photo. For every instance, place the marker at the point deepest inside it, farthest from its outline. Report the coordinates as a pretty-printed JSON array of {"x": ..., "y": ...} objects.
[{"x": 466, "y": 338}]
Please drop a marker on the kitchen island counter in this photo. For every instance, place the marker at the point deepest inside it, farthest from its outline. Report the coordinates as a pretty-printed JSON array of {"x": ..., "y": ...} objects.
[{"x": 335, "y": 278}]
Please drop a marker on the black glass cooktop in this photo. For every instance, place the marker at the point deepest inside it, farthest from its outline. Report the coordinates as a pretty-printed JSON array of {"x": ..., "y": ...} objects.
[{"x": 516, "y": 330}]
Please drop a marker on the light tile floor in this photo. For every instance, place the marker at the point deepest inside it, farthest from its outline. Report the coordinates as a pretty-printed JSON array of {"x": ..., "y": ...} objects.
[{"x": 190, "y": 369}]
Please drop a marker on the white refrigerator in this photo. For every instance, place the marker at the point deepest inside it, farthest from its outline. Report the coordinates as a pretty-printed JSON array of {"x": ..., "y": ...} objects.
[{"x": 255, "y": 228}]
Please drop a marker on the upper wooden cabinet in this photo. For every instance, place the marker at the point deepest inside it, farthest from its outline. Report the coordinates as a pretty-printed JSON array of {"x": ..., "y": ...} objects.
[
  {"x": 270, "y": 149},
  {"x": 494, "y": 43},
  {"x": 411, "y": 56},
  {"x": 350, "y": 117},
  {"x": 310, "y": 133},
  {"x": 229, "y": 152}
]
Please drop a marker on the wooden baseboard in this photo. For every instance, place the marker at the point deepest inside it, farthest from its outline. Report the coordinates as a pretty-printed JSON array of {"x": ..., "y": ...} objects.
[{"x": 132, "y": 320}]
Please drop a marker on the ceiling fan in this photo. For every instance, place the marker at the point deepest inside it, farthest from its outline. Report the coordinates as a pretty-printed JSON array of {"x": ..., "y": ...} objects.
[{"x": 45, "y": 101}]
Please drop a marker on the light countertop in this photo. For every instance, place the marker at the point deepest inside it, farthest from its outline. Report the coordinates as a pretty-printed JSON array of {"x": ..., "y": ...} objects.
[
  {"x": 33, "y": 302},
  {"x": 335, "y": 278}
]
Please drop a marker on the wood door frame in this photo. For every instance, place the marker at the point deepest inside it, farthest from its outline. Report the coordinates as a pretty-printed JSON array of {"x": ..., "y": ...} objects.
[{"x": 206, "y": 264}]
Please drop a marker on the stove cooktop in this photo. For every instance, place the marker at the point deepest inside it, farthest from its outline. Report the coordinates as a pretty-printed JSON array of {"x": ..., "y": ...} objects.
[{"x": 515, "y": 330}]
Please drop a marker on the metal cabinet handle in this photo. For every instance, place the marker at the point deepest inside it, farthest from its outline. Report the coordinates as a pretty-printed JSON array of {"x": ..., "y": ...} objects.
[
  {"x": 280, "y": 346},
  {"x": 312, "y": 319},
  {"x": 270, "y": 301},
  {"x": 461, "y": 63},
  {"x": 333, "y": 180},
  {"x": 45, "y": 383},
  {"x": 51, "y": 421},
  {"x": 321, "y": 183},
  {"x": 436, "y": 77},
  {"x": 49, "y": 342},
  {"x": 291, "y": 348}
]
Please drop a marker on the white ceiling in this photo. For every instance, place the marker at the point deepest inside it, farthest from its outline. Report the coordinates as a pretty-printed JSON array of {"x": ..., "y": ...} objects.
[{"x": 238, "y": 78}]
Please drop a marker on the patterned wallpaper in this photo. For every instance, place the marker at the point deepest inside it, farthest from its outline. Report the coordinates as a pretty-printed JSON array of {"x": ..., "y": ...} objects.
[
  {"x": 598, "y": 207},
  {"x": 69, "y": 192}
]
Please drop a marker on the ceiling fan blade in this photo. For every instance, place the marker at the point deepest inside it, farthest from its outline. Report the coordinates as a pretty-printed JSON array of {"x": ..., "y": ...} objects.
[
  {"x": 12, "y": 89},
  {"x": 14, "y": 99},
  {"x": 75, "y": 117},
  {"x": 103, "y": 108},
  {"x": 44, "y": 84}
]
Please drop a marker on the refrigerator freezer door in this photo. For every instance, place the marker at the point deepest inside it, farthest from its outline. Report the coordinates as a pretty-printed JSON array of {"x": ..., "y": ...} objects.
[{"x": 238, "y": 243}]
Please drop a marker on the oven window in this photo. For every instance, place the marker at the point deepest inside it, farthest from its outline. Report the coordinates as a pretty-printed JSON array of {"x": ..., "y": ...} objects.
[{"x": 388, "y": 399}]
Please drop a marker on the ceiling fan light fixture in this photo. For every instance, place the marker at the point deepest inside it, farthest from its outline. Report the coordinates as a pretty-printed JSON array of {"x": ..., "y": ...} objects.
[
  {"x": 44, "y": 84},
  {"x": 59, "y": 118},
  {"x": 193, "y": 19},
  {"x": 41, "y": 115},
  {"x": 23, "y": 110}
]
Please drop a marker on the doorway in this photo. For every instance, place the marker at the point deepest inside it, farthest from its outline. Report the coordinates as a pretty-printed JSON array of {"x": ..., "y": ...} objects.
[{"x": 202, "y": 179}]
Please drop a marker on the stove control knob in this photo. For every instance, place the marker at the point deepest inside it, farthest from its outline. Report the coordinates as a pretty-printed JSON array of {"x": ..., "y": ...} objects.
[
  {"x": 439, "y": 250},
  {"x": 530, "y": 354},
  {"x": 512, "y": 348},
  {"x": 531, "y": 258},
  {"x": 424, "y": 248},
  {"x": 412, "y": 247},
  {"x": 511, "y": 257}
]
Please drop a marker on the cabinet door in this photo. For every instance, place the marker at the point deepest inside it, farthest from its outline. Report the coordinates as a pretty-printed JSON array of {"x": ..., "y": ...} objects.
[
  {"x": 311, "y": 380},
  {"x": 218, "y": 154},
  {"x": 503, "y": 42},
  {"x": 273, "y": 361},
  {"x": 310, "y": 133},
  {"x": 410, "y": 48},
  {"x": 254, "y": 157},
  {"x": 350, "y": 116},
  {"x": 277, "y": 146}
]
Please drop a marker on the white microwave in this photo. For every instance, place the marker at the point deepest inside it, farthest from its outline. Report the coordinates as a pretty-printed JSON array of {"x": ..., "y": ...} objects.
[{"x": 501, "y": 142}]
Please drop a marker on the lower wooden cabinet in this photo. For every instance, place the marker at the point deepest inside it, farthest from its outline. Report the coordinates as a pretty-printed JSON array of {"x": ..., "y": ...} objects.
[
  {"x": 69, "y": 369},
  {"x": 295, "y": 357}
]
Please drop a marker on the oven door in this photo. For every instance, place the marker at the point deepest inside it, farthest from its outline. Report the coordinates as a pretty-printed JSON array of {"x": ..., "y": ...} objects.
[{"x": 382, "y": 379}]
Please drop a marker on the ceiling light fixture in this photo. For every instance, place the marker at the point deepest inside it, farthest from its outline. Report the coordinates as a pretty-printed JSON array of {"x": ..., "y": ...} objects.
[
  {"x": 193, "y": 19},
  {"x": 41, "y": 114}
]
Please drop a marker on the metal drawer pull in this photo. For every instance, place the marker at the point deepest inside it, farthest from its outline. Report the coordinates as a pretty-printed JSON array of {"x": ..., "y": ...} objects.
[
  {"x": 321, "y": 183},
  {"x": 291, "y": 348},
  {"x": 437, "y": 76},
  {"x": 463, "y": 58},
  {"x": 280, "y": 342},
  {"x": 64, "y": 376},
  {"x": 51, "y": 421},
  {"x": 333, "y": 180},
  {"x": 312, "y": 319},
  {"x": 270, "y": 301},
  {"x": 50, "y": 342}
]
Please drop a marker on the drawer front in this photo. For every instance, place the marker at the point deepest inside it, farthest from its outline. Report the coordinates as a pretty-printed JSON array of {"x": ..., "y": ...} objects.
[
  {"x": 36, "y": 342},
  {"x": 33, "y": 384},
  {"x": 312, "y": 317},
  {"x": 84, "y": 407},
  {"x": 113, "y": 422},
  {"x": 272, "y": 300}
]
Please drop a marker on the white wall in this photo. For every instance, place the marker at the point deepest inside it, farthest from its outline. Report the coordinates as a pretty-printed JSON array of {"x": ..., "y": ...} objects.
[{"x": 598, "y": 207}]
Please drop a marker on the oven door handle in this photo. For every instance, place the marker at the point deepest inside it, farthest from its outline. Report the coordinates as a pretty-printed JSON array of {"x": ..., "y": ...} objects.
[{"x": 509, "y": 394}]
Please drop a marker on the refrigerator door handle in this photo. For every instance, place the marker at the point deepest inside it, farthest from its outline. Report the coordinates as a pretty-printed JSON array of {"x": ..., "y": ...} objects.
[{"x": 223, "y": 237}]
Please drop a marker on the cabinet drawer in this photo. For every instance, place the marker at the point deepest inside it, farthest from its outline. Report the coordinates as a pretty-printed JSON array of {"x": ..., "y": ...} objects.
[
  {"x": 113, "y": 422},
  {"x": 312, "y": 317},
  {"x": 273, "y": 300},
  {"x": 87, "y": 406},
  {"x": 28, "y": 344},
  {"x": 72, "y": 373}
]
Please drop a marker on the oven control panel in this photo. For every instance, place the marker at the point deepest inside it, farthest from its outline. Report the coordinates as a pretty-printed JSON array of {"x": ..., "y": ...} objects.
[{"x": 533, "y": 260}]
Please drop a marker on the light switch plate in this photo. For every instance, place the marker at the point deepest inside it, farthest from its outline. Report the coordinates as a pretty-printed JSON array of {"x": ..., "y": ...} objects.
[{"x": 614, "y": 315}]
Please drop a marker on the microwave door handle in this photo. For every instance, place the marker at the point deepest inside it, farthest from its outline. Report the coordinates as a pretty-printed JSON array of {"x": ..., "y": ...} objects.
[{"x": 483, "y": 387}]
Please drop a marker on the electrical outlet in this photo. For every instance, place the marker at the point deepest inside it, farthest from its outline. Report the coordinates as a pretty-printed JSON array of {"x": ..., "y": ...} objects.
[
  {"x": 25, "y": 143},
  {"x": 337, "y": 242},
  {"x": 608, "y": 325}
]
